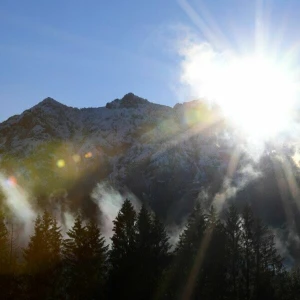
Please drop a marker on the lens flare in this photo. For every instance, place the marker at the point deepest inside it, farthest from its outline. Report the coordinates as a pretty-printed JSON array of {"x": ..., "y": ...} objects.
[
  {"x": 296, "y": 158},
  {"x": 88, "y": 155},
  {"x": 12, "y": 181},
  {"x": 61, "y": 163},
  {"x": 76, "y": 158}
]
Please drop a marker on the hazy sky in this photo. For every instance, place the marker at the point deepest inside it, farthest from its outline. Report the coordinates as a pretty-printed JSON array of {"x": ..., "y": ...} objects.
[{"x": 87, "y": 53}]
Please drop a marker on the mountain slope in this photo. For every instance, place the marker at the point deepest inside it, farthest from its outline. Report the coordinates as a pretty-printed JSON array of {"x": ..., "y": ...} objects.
[
  {"x": 166, "y": 156},
  {"x": 131, "y": 135}
]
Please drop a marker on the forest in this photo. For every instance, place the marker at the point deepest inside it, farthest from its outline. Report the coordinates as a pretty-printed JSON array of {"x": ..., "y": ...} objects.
[{"x": 228, "y": 256}]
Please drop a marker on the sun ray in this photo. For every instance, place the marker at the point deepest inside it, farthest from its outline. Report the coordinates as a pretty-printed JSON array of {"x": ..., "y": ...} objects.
[
  {"x": 200, "y": 256},
  {"x": 283, "y": 191},
  {"x": 206, "y": 25},
  {"x": 224, "y": 193},
  {"x": 291, "y": 181}
]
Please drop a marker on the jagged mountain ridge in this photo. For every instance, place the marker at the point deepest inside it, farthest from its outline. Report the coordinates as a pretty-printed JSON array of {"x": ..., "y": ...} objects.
[{"x": 51, "y": 119}]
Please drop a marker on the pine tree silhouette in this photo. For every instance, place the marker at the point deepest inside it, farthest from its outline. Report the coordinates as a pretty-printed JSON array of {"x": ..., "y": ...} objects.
[
  {"x": 123, "y": 253},
  {"x": 42, "y": 257}
]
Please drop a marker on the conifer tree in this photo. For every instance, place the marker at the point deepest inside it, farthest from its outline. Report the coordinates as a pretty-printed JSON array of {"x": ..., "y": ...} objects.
[
  {"x": 97, "y": 260},
  {"x": 4, "y": 245},
  {"x": 212, "y": 280},
  {"x": 293, "y": 284},
  {"x": 74, "y": 251},
  {"x": 193, "y": 232},
  {"x": 123, "y": 253},
  {"x": 247, "y": 250},
  {"x": 183, "y": 274},
  {"x": 124, "y": 238},
  {"x": 74, "y": 247},
  {"x": 85, "y": 255},
  {"x": 268, "y": 263},
  {"x": 143, "y": 229},
  {"x": 44, "y": 248},
  {"x": 233, "y": 232},
  {"x": 42, "y": 257},
  {"x": 160, "y": 243},
  {"x": 6, "y": 276},
  {"x": 152, "y": 252},
  {"x": 143, "y": 257}
]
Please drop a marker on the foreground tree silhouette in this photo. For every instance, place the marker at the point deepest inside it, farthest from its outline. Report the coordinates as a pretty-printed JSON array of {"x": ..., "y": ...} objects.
[
  {"x": 254, "y": 266},
  {"x": 215, "y": 259},
  {"x": 268, "y": 263},
  {"x": 160, "y": 250},
  {"x": 122, "y": 255},
  {"x": 180, "y": 279},
  {"x": 42, "y": 257},
  {"x": 233, "y": 231},
  {"x": 212, "y": 278},
  {"x": 85, "y": 260},
  {"x": 6, "y": 274},
  {"x": 4, "y": 245},
  {"x": 74, "y": 249},
  {"x": 247, "y": 251},
  {"x": 152, "y": 253},
  {"x": 139, "y": 254},
  {"x": 143, "y": 260},
  {"x": 97, "y": 260}
]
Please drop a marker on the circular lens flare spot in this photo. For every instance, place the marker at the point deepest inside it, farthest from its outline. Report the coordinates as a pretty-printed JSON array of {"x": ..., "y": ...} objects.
[
  {"x": 88, "y": 155},
  {"x": 76, "y": 158},
  {"x": 12, "y": 181},
  {"x": 61, "y": 163}
]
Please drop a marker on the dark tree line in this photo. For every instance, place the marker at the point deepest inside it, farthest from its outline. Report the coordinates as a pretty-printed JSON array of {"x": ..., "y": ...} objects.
[{"x": 230, "y": 258}]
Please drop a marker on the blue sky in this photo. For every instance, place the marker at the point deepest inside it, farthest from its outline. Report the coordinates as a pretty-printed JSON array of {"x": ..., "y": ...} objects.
[{"x": 87, "y": 53}]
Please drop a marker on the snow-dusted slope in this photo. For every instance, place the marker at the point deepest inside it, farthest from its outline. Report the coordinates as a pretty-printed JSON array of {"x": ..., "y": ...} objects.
[
  {"x": 51, "y": 120},
  {"x": 131, "y": 126}
]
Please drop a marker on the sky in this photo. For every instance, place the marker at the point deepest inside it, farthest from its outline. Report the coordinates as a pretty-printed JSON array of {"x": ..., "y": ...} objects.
[{"x": 87, "y": 53}]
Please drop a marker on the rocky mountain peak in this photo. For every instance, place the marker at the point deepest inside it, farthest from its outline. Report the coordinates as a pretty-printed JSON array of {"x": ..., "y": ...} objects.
[
  {"x": 50, "y": 103},
  {"x": 128, "y": 101}
]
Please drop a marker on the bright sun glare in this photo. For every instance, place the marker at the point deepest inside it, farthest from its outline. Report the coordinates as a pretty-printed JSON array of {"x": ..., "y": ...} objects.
[{"x": 256, "y": 93}]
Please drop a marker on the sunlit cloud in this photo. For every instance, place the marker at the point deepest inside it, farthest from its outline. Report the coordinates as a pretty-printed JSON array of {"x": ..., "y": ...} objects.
[
  {"x": 296, "y": 158},
  {"x": 16, "y": 199},
  {"x": 110, "y": 202}
]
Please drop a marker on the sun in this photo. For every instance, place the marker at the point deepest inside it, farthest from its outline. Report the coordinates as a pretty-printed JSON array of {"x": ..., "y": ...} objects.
[{"x": 256, "y": 93}]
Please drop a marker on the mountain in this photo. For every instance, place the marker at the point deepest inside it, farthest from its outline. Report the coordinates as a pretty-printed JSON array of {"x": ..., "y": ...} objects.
[
  {"x": 166, "y": 156},
  {"x": 143, "y": 145}
]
